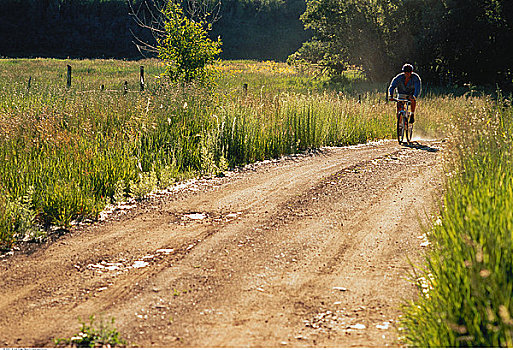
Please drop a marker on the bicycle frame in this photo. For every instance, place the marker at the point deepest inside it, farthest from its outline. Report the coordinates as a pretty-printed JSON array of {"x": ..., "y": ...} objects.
[{"x": 403, "y": 118}]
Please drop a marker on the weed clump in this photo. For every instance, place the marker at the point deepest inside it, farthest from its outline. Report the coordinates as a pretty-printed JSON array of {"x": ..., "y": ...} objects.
[
  {"x": 17, "y": 220},
  {"x": 94, "y": 335}
]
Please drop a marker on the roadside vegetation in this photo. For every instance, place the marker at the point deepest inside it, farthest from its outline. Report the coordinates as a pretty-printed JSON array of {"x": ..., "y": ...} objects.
[{"x": 465, "y": 291}]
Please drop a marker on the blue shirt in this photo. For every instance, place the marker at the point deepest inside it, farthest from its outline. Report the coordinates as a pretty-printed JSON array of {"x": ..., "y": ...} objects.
[{"x": 412, "y": 88}]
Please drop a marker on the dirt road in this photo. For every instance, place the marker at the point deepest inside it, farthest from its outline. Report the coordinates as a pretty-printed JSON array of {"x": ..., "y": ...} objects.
[{"x": 310, "y": 250}]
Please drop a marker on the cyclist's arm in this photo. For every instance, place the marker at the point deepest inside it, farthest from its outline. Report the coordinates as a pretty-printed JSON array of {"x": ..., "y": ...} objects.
[
  {"x": 393, "y": 85},
  {"x": 417, "y": 83}
]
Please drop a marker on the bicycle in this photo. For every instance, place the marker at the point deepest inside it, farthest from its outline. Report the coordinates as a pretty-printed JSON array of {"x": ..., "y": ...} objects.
[{"x": 403, "y": 120}]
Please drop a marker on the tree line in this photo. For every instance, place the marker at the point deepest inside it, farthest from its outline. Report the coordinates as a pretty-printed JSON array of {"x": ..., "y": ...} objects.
[
  {"x": 448, "y": 41},
  {"x": 258, "y": 29}
]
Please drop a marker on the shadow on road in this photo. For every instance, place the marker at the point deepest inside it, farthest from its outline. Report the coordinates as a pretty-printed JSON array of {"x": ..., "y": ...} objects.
[{"x": 417, "y": 145}]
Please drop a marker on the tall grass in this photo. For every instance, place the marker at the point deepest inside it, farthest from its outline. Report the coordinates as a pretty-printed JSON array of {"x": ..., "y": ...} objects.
[
  {"x": 67, "y": 153},
  {"x": 467, "y": 288}
]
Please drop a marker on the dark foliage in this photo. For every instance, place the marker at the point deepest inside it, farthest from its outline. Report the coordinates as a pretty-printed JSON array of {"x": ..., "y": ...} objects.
[
  {"x": 450, "y": 41},
  {"x": 260, "y": 30},
  {"x": 66, "y": 28},
  {"x": 102, "y": 28}
]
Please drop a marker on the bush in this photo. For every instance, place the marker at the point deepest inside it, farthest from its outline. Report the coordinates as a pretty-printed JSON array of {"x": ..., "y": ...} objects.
[{"x": 186, "y": 48}]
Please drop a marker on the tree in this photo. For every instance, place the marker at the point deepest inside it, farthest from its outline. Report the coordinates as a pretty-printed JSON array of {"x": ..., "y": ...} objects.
[
  {"x": 477, "y": 40},
  {"x": 376, "y": 35},
  {"x": 345, "y": 33},
  {"x": 182, "y": 41},
  {"x": 462, "y": 40},
  {"x": 185, "y": 46}
]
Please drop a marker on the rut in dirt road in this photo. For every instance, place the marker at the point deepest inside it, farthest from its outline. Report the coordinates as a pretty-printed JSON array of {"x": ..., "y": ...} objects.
[{"x": 306, "y": 251}]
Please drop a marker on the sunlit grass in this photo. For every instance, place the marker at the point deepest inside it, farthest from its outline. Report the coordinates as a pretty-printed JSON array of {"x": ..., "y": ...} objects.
[{"x": 466, "y": 296}]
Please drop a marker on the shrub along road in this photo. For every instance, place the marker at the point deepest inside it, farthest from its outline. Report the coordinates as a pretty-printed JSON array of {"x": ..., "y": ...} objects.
[{"x": 310, "y": 250}]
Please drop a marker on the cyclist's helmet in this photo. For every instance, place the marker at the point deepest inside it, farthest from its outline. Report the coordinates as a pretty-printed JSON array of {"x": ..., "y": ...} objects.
[{"x": 408, "y": 68}]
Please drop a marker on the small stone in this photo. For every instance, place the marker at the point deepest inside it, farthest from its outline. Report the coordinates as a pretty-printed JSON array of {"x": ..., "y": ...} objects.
[
  {"x": 383, "y": 326},
  {"x": 195, "y": 216},
  {"x": 340, "y": 289},
  {"x": 357, "y": 326},
  {"x": 165, "y": 251},
  {"x": 139, "y": 264}
]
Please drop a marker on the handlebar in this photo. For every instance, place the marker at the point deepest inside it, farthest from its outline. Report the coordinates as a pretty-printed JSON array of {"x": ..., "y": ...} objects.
[
  {"x": 402, "y": 98},
  {"x": 399, "y": 100}
]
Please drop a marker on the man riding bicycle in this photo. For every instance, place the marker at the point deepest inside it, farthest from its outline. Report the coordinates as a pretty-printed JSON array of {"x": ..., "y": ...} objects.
[{"x": 406, "y": 83}]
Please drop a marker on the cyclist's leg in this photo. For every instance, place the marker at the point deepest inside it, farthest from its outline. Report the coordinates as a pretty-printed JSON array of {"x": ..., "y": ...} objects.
[
  {"x": 412, "y": 115},
  {"x": 400, "y": 107}
]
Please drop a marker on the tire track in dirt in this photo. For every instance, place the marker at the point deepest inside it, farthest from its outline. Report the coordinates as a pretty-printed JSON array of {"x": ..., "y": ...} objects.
[{"x": 248, "y": 260}]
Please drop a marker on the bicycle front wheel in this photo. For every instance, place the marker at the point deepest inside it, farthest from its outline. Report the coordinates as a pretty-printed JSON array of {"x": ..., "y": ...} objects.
[
  {"x": 409, "y": 131},
  {"x": 400, "y": 129}
]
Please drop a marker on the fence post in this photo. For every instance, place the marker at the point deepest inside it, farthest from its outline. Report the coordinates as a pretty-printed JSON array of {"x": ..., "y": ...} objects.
[
  {"x": 28, "y": 85},
  {"x": 69, "y": 77},
  {"x": 245, "y": 89},
  {"x": 125, "y": 88},
  {"x": 141, "y": 80}
]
